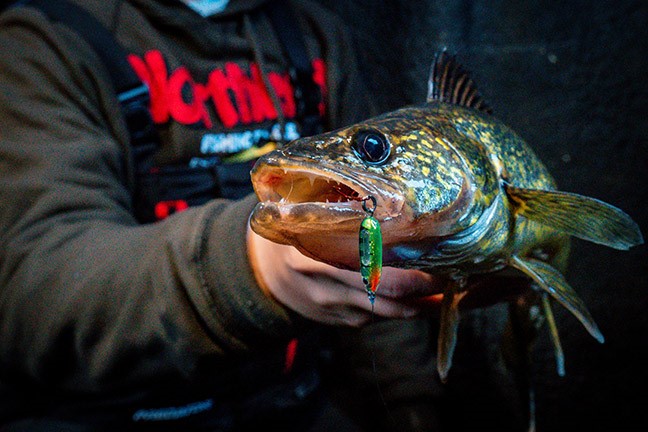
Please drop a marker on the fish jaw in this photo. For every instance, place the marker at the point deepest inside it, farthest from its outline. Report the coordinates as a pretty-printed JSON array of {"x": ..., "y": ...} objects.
[
  {"x": 293, "y": 192},
  {"x": 318, "y": 207}
]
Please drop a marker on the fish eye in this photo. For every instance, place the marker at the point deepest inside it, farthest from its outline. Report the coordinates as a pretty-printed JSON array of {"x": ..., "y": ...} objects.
[{"x": 371, "y": 146}]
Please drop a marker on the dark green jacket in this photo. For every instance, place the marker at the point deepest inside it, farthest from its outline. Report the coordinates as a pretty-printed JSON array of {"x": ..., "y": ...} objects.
[{"x": 104, "y": 316}]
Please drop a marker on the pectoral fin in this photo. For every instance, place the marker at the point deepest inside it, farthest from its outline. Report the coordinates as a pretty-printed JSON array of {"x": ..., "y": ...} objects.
[
  {"x": 551, "y": 281},
  {"x": 583, "y": 217},
  {"x": 449, "y": 325}
]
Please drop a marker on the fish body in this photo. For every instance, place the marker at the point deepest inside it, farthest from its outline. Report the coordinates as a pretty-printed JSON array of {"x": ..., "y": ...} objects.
[
  {"x": 440, "y": 197},
  {"x": 458, "y": 193}
]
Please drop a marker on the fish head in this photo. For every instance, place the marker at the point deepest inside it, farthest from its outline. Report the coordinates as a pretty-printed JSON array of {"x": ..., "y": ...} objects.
[{"x": 314, "y": 192}]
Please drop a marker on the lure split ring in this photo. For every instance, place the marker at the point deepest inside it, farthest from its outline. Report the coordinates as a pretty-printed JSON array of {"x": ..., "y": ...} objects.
[{"x": 364, "y": 204}]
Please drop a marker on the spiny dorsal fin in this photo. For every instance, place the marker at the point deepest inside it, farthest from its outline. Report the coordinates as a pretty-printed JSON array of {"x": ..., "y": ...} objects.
[
  {"x": 583, "y": 217},
  {"x": 449, "y": 82},
  {"x": 551, "y": 281}
]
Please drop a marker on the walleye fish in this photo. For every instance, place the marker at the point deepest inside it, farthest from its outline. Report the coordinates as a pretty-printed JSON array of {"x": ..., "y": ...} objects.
[{"x": 457, "y": 193}]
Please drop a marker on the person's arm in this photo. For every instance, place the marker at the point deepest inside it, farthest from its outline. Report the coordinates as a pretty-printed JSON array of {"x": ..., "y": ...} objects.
[
  {"x": 329, "y": 295},
  {"x": 83, "y": 287},
  {"x": 89, "y": 299}
]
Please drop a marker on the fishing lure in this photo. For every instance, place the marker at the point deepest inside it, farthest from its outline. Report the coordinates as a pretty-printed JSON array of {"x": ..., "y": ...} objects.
[{"x": 370, "y": 249}]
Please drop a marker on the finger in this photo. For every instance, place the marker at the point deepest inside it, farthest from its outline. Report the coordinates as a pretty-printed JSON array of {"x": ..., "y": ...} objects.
[
  {"x": 382, "y": 306},
  {"x": 406, "y": 283},
  {"x": 431, "y": 303},
  {"x": 338, "y": 304},
  {"x": 395, "y": 282},
  {"x": 389, "y": 308}
]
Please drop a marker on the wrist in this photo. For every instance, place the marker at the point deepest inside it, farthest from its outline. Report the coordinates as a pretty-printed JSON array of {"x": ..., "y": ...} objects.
[{"x": 231, "y": 302}]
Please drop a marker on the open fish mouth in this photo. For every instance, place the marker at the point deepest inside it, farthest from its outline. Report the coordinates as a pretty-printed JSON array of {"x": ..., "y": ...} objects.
[
  {"x": 316, "y": 193},
  {"x": 290, "y": 187},
  {"x": 317, "y": 207},
  {"x": 299, "y": 186}
]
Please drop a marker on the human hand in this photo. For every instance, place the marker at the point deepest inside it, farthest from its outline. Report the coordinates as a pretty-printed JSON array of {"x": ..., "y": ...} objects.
[{"x": 330, "y": 295}]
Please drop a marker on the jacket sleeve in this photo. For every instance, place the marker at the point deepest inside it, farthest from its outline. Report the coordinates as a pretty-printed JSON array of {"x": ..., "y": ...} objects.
[{"x": 88, "y": 298}]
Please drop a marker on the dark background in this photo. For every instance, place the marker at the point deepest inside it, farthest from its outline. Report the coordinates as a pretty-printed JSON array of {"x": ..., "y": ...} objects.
[{"x": 571, "y": 78}]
